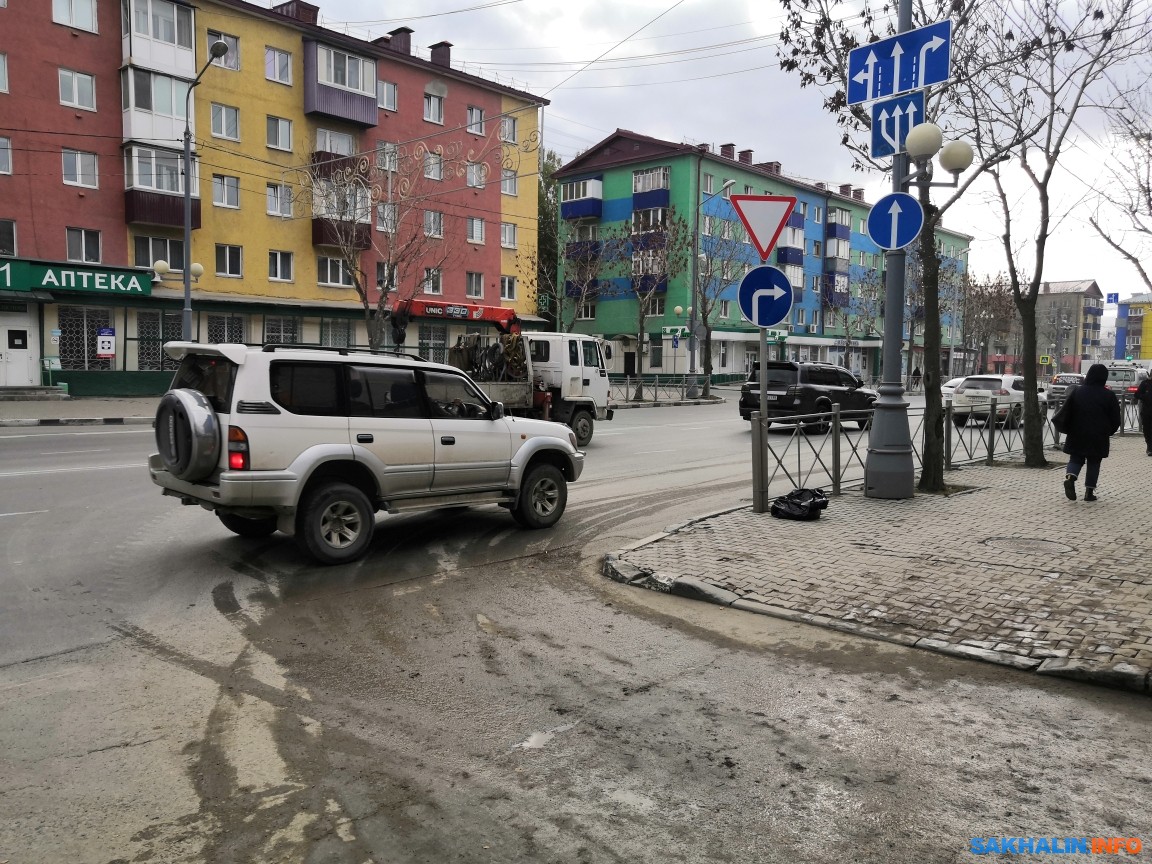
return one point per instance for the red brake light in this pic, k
(1002, 392)
(237, 449)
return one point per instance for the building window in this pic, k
(648, 220)
(817, 215)
(333, 272)
(726, 191)
(279, 133)
(340, 143)
(475, 120)
(79, 326)
(725, 308)
(508, 235)
(474, 286)
(385, 276)
(507, 287)
(817, 249)
(225, 122)
(225, 190)
(433, 108)
(346, 71)
(508, 181)
(387, 158)
(5, 155)
(706, 225)
(80, 168)
(509, 131)
(280, 266)
(83, 245)
(80, 14)
(707, 183)
(229, 260)
(476, 173)
(649, 179)
(587, 311)
(231, 60)
(163, 21)
(159, 94)
(801, 317)
(151, 249)
(281, 329)
(748, 190)
(434, 166)
(432, 283)
(814, 284)
(386, 218)
(77, 89)
(839, 248)
(802, 206)
(386, 95)
(279, 198)
(277, 65)
(654, 306)
(475, 230)
(154, 169)
(153, 329)
(794, 273)
(226, 328)
(8, 237)
(337, 334)
(433, 224)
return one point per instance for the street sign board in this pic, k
(907, 61)
(1045, 359)
(764, 217)
(895, 220)
(891, 120)
(765, 296)
(1114, 298)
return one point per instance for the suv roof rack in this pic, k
(308, 346)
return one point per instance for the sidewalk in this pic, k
(79, 412)
(1008, 572)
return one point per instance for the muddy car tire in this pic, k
(187, 434)
(335, 523)
(543, 496)
(582, 424)
(245, 527)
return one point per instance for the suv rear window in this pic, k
(1124, 376)
(982, 384)
(212, 375)
(783, 377)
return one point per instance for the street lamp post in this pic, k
(215, 51)
(696, 257)
(889, 470)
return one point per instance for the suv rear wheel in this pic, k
(543, 496)
(821, 426)
(335, 523)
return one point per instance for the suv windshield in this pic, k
(212, 375)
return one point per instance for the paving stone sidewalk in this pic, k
(1009, 572)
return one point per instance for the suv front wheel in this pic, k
(335, 523)
(543, 496)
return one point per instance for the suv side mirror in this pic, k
(496, 411)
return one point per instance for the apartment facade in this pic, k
(627, 187)
(92, 187)
(1132, 326)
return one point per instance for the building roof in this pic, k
(1076, 286)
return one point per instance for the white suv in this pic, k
(973, 398)
(313, 441)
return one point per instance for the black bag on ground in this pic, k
(800, 504)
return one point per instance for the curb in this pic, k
(1117, 676)
(80, 421)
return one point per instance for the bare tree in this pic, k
(721, 261)
(989, 311)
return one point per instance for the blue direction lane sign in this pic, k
(1114, 298)
(895, 220)
(765, 296)
(891, 120)
(907, 61)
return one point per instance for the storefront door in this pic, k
(17, 358)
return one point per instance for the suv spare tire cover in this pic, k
(187, 434)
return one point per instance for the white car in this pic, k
(973, 398)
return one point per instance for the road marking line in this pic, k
(66, 452)
(135, 466)
(24, 513)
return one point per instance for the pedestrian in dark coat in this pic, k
(1143, 398)
(1093, 415)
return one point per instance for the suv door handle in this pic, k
(364, 438)
(447, 439)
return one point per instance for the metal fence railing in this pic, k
(797, 448)
(654, 388)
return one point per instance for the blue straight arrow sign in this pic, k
(895, 220)
(891, 120)
(907, 61)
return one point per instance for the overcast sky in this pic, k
(700, 71)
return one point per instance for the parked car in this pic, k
(313, 441)
(973, 398)
(1059, 386)
(1124, 378)
(949, 386)
(793, 388)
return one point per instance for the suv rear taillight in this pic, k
(793, 393)
(237, 449)
(1131, 389)
(1001, 392)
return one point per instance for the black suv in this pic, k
(807, 388)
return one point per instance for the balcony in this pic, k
(795, 220)
(582, 208)
(789, 255)
(145, 207)
(582, 250)
(836, 231)
(651, 199)
(336, 102)
(835, 265)
(327, 232)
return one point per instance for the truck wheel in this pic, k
(187, 434)
(335, 523)
(581, 423)
(543, 495)
(246, 527)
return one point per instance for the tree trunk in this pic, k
(932, 455)
(1033, 420)
(706, 344)
(638, 395)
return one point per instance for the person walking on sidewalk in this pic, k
(1093, 415)
(1143, 398)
